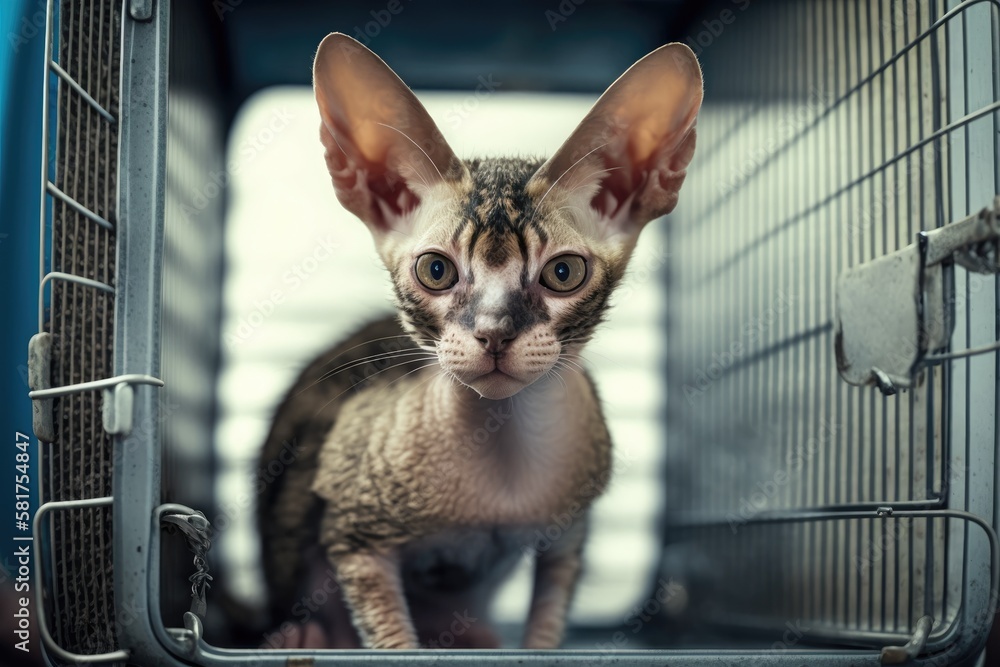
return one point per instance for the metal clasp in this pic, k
(894, 310)
(900, 655)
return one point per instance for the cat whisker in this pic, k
(554, 372)
(367, 342)
(571, 208)
(385, 356)
(568, 169)
(587, 179)
(353, 386)
(423, 383)
(562, 364)
(581, 339)
(434, 363)
(583, 362)
(405, 235)
(419, 148)
(572, 365)
(378, 356)
(581, 355)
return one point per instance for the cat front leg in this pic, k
(557, 570)
(372, 587)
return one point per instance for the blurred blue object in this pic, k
(21, 81)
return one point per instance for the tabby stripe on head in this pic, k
(589, 312)
(522, 245)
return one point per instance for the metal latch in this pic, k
(900, 655)
(197, 532)
(39, 372)
(894, 310)
(141, 10)
(117, 391)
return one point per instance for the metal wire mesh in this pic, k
(78, 464)
(838, 131)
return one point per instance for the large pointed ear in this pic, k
(383, 150)
(627, 158)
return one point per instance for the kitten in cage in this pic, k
(420, 459)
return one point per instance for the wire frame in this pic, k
(80, 188)
(838, 130)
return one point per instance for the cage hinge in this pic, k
(140, 10)
(900, 655)
(39, 374)
(892, 311)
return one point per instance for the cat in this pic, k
(422, 457)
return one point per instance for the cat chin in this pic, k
(496, 385)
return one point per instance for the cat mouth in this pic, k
(496, 384)
(496, 373)
(494, 368)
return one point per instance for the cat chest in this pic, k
(510, 482)
(413, 480)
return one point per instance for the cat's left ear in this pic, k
(627, 158)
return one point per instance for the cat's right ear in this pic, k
(627, 159)
(383, 150)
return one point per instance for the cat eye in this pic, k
(436, 272)
(564, 273)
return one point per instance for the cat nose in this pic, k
(497, 338)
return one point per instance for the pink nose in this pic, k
(495, 337)
(494, 340)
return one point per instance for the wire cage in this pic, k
(76, 318)
(858, 514)
(806, 519)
